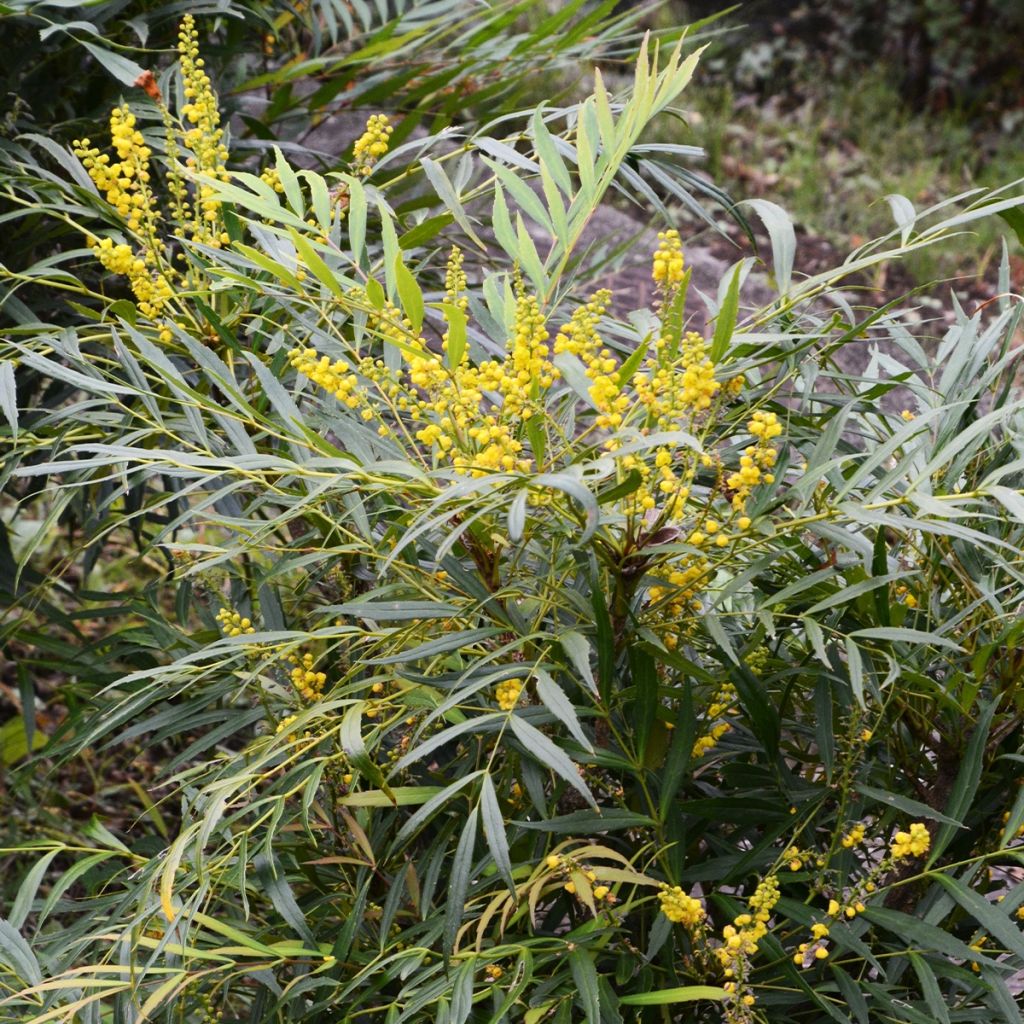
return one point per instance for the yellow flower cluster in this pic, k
(740, 938)
(667, 268)
(699, 384)
(507, 694)
(756, 461)
(851, 910)
(474, 442)
(567, 866)
(527, 370)
(739, 944)
(757, 660)
(677, 596)
(283, 725)
(723, 704)
(671, 397)
(118, 259)
(914, 843)
(234, 624)
(681, 908)
(372, 144)
(306, 680)
(269, 176)
(808, 952)
(336, 377)
(124, 183)
(1020, 831)
(854, 837)
(205, 137)
(153, 292)
(580, 337)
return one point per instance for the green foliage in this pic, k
(496, 656)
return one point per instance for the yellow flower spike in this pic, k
(372, 144)
(667, 264)
(553, 861)
(205, 137)
(833, 908)
(234, 624)
(821, 953)
(679, 907)
(600, 892)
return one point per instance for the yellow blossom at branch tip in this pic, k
(913, 843)
(667, 265)
(372, 144)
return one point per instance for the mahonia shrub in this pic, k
(513, 659)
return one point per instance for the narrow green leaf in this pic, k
(687, 994)
(914, 808)
(290, 183)
(855, 667)
(584, 976)
(680, 751)
(16, 953)
(313, 260)
(554, 698)
(356, 218)
(351, 737)
(8, 396)
(494, 831)
(783, 239)
(281, 896)
(964, 789)
(542, 750)
(989, 915)
(909, 636)
(22, 905)
(126, 71)
(644, 678)
(725, 322)
(458, 883)
(409, 294)
(929, 987)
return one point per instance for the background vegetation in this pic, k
(397, 627)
